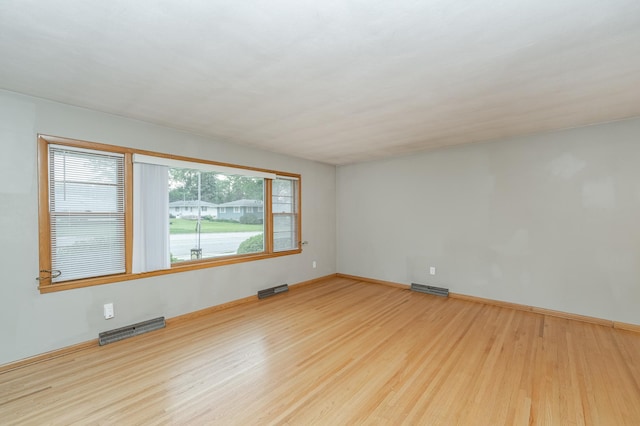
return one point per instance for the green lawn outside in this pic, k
(184, 226)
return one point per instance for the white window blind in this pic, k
(285, 205)
(86, 208)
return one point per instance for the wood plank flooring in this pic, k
(343, 352)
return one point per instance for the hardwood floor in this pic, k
(343, 352)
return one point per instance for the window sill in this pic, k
(180, 267)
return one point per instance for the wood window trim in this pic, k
(44, 225)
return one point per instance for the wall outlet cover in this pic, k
(108, 311)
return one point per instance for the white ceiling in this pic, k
(333, 81)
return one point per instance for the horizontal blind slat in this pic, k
(86, 207)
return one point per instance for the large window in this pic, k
(110, 214)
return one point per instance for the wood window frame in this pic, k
(44, 225)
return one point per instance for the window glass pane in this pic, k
(283, 208)
(283, 187)
(231, 223)
(284, 232)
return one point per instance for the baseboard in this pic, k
(211, 309)
(56, 353)
(626, 326)
(373, 281)
(312, 281)
(549, 312)
(534, 309)
(196, 314)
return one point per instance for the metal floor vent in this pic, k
(272, 291)
(130, 330)
(429, 289)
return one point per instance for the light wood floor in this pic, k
(343, 352)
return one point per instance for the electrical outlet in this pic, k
(432, 270)
(314, 264)
(108, 311)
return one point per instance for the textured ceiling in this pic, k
(333, 81)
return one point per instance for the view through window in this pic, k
(214, 214)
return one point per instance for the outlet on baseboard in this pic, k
(108, 311)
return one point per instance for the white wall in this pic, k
(32, 323)
(551, 220)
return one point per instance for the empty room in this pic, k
(332, 213)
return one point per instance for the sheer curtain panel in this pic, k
(150, 218)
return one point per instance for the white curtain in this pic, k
(150, 218)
